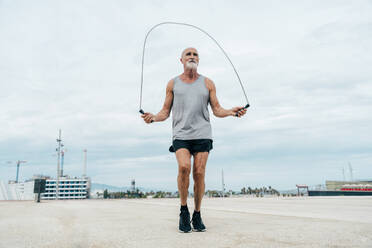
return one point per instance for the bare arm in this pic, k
(216, 107)
(165, 111)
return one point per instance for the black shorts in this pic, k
(196, 145)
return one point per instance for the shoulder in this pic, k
(170, 84)
(209, 83)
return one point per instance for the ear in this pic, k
(181, 60)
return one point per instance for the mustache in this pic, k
(191, 64)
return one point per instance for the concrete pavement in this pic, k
(231, 222)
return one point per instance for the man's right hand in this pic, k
(148, 117)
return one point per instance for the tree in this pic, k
(243, 191)
(105, 194)
(250, 190)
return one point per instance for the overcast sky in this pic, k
(75, 66)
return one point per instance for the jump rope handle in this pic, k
(143, 112)
(245, 107)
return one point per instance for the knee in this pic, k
(184, 169)
(198, 174)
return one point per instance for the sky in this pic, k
(76, 66)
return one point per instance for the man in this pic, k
(188, 96)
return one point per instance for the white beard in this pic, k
(191, 65)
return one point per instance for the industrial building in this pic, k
(344, 188)
(68, 188)
(338, 185)
(17, 191)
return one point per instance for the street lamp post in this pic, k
(59, 140)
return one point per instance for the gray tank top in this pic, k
(190, 110)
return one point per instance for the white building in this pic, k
(69, 188)
(17, 191)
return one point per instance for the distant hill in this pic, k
(97, 186)
(100, 186)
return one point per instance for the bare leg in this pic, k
(198, 172)
(184, 167)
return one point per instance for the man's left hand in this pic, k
(239, 110)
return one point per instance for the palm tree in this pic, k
(250, 190)
(243, 191)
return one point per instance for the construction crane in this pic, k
(18, 164)
(85, 163)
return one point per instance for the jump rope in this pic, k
(193, 26)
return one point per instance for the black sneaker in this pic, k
(184, 225)
(197, 223)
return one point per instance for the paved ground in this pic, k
(231, 222)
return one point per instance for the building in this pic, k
(338, 185)
(17, 191)
(345, 188)
(69, 188)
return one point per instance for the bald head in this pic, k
(187, 50)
